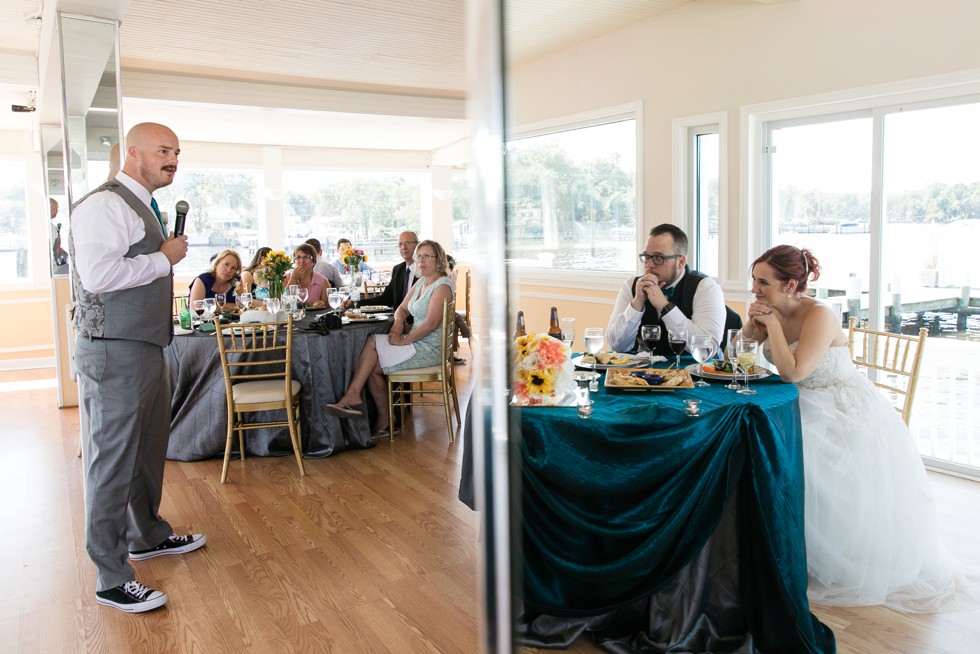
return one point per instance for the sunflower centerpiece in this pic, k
(353, 260)
(542, 372)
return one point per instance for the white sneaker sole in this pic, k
(136, 607)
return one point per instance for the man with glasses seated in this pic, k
(668, 294)
(403, 274)
(342, 246)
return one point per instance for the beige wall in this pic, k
(718, 57)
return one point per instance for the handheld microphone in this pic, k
(182, 208)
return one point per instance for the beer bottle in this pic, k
(184, 314)
(520, 331)
(554, 330)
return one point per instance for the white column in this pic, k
(271, 228)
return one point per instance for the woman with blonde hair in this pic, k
(220, 280)
(413, 341)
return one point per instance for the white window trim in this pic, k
(682, 131)
(598, 280)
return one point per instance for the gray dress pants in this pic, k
(124, 388)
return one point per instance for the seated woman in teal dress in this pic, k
(220, 280)
(385, 353)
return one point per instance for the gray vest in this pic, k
(143, 313)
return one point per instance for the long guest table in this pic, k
(323, 364)
(661, 532)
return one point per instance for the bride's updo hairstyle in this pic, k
(789, 262)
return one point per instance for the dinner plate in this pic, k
(378, 317)
(633, 360)
(613, 378)
(711, 373)
(374, 309)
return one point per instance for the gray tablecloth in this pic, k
(323, 364)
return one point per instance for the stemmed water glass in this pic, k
(303, 294)
(677, 340)
(210, 306)
(650, 335)
(568, 331)
(273, 304)
(593, 342)
(243, 300)
(702, 347)
(335, 299)
(746, 350)
(219, 302)
(731, 356)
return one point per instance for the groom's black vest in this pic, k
(683, 299)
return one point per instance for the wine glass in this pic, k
(273, 304)
(219, 301)
(746, 351)
(731, 356)
(303, 294)
(335, 299)
(568, 331)
(198, 306)
(677, 340)
(702, 347)
(593, 342)
(650, 335)
(243, 300)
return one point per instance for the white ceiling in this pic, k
(386, 51)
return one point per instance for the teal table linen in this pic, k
(616, 505)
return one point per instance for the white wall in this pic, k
(716, 57)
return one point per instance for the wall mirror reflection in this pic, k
(91, 124)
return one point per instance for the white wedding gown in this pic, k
(871, 527)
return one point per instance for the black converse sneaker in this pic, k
(131, 597)
(173, 545)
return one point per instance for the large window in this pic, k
(888, 198)
(370, 209)
(223, 214)
(571, 198)
(705, 144)
(14, 234)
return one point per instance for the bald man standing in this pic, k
(121, 273)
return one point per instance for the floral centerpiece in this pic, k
(353, 259)
(542, 372)
(274, 268)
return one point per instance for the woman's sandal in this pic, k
(342, 411)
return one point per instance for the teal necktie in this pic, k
(156, 210)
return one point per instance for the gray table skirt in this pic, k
(323, 364)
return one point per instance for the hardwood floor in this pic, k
(371, 552)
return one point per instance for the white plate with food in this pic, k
(648, 379)
(357, 316)
(607, 360)
(722, 370)
(374, 308)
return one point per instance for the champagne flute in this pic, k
(593, 342)
(734, 336)
(568, 331)
(677, 340)
(650, 335)
(746, 350)
(702, 347)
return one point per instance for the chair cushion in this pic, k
(266, 390)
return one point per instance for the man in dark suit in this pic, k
(403, 274)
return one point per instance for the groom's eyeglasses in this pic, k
(657, 259)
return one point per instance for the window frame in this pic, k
(568, 278)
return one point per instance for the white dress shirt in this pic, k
(708, 315)
(103, 228)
